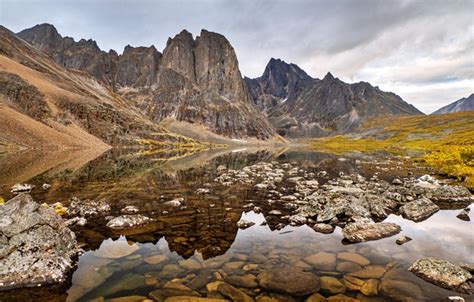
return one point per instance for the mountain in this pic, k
(196, 81)
(464, 104)
(42, 104)
(280, 83)
(331, 106)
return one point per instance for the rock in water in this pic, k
(419, 210)
(36, 246)
(289, 281)
(128, 221)
(360, 232)
(244, 224)
(443, 274)
(463, 215)
(22, 188)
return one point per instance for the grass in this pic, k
(444, 142)
(167, 143)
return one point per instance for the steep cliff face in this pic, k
(195, 80)
(200, 82)
(137, 67)
(461, 105)
(332, 106)
(281, 82)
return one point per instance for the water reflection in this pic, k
(200, 242)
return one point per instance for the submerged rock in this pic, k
(36, 246)
(289, 281)
(419, 210)
(128, 221)
(360, 232)
(443, 274)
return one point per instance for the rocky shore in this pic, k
(286, 194)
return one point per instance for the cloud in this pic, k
(412, 48)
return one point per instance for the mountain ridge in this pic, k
(461, 105)
(193, 80)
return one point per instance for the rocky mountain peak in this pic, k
(279, 83)
(461, 105)
(328, 77)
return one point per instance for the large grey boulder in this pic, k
(36, 246)
(419, 210)
(442, 273)
(360, 232)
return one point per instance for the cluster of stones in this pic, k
(323, 276)
(349, 201)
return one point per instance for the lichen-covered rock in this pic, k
(290, 281)
(36, 246)
(419, 209)
(442, 273)
(87, 207)
(128, 221)
(360, 232)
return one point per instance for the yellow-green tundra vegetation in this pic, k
(444, 142)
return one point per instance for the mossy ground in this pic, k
(444, 142)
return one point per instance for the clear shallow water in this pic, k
(201, 242)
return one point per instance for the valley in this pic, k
(152, 175)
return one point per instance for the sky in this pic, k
(421, 50)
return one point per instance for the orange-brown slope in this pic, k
(57, 107)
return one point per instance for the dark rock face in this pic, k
(137, 67)
(195, 80)
(464, 104)
(83, 55)
(280, 82)
(36, 247)
(332, 106)
(199, 82)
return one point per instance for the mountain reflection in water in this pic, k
(200, 239)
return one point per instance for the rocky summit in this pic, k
(280, 83)
(195, 80)
(331, 106)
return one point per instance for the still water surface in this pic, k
(199, 243)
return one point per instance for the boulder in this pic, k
(443, 274)
(244, 224)
(290, 281)
(323, 228)
(87, 207)
(36, 246)
(419, 209)
(360, 232)
(128, 221)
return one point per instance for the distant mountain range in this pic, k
(464, 104)
(194, 86)
(300, 106)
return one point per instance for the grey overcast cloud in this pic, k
(421, 50)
